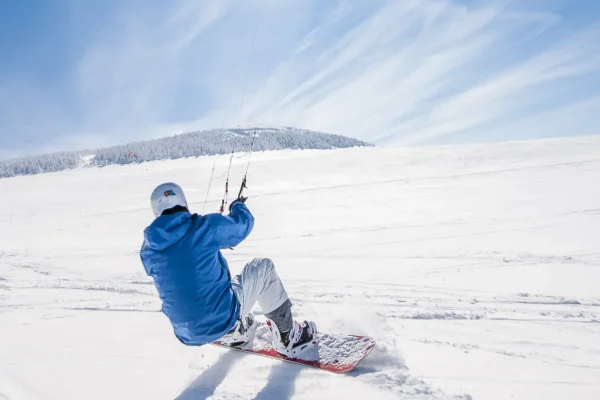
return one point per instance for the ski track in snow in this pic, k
(475, 268)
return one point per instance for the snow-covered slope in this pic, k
(476, 268)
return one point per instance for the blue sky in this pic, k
(77, 74)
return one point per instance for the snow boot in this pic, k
(242, 332)
(292, 343)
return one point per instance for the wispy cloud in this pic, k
(413, 72)
(393, 72)
(128, 80)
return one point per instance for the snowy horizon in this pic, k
(78, 75)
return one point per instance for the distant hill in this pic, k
(193, 144)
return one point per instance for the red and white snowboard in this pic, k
(332, 352)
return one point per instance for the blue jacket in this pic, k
(182, 253)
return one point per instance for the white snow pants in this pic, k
(258, 281)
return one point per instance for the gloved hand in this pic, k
(241, 199)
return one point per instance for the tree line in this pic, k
(192, 144)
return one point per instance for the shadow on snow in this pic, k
(280, 384)
(205, 385)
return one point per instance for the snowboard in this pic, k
(336, 353)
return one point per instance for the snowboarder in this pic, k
(204, 303)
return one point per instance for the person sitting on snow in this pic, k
(204, 303)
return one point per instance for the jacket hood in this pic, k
(167, 230)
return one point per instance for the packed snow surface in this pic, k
(476, 269)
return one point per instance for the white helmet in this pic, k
(166, 196)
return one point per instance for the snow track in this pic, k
(476, 268)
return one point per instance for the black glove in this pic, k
(241, 199)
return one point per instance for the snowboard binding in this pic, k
(291, 344)
(242, 332)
